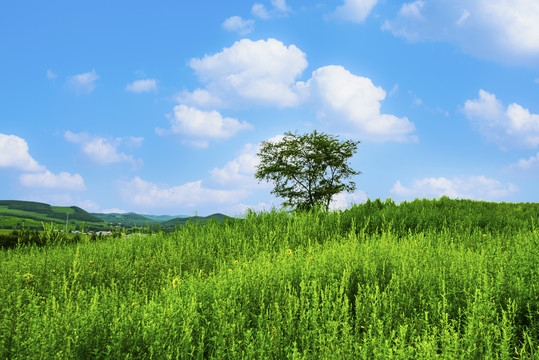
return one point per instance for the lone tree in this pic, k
(307, 170)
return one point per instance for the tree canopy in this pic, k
(308, 170)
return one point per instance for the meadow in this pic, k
(428, 279)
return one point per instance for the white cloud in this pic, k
(531, 163)
(140, 86)
(103, 150)
(280, 8)
(143, 193)
(262, 72)
(14, 154)
(350, 104)
(83, 83)
(502, 30)
(354, 10)
(240, 170)
(49, 180)
(464, 187)
(193, 122)
(51, 75)
(344, 200)
(514, 125)
(239, 25)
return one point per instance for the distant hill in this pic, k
(165, 217)
(127, 219)
(171, 224)
(14, 212)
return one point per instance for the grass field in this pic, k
(273, 285)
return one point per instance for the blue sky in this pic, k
(159, 107)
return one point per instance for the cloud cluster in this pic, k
(501, 30)
(241, 169)
(49, 180)
(239, 25)
(261, 72)
(144, 193)
(103, 150)
(464, 187)
(350, 105)
(83, 83)
(201, 125)
(14, 154)
(141, 86)
(507, 126)
(265, 73)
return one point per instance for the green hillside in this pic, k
(15, 213)
(127, 219)
(162, 218)
(171, 224)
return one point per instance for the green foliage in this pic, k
(274, 285)
(307, 170)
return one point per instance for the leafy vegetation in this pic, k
(452, 279)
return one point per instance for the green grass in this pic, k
(277, 286)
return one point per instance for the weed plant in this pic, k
(391, 283)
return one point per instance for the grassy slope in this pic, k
(32, 214)
(424, 280)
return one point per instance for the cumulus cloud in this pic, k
(507, 126)
(280, 8)
(140, 86)
(354, 10)
(241, 169)
(500, 30)
(202, 125)
(350, 105)
(239, 25)
(105, 150)
(14, 154)
(464, 187)
(144, 193)
(48, 180)
(262, 72)
(265, 73)
(83, 83)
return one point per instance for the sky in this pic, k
(160, 107)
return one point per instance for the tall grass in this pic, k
(277, 285)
